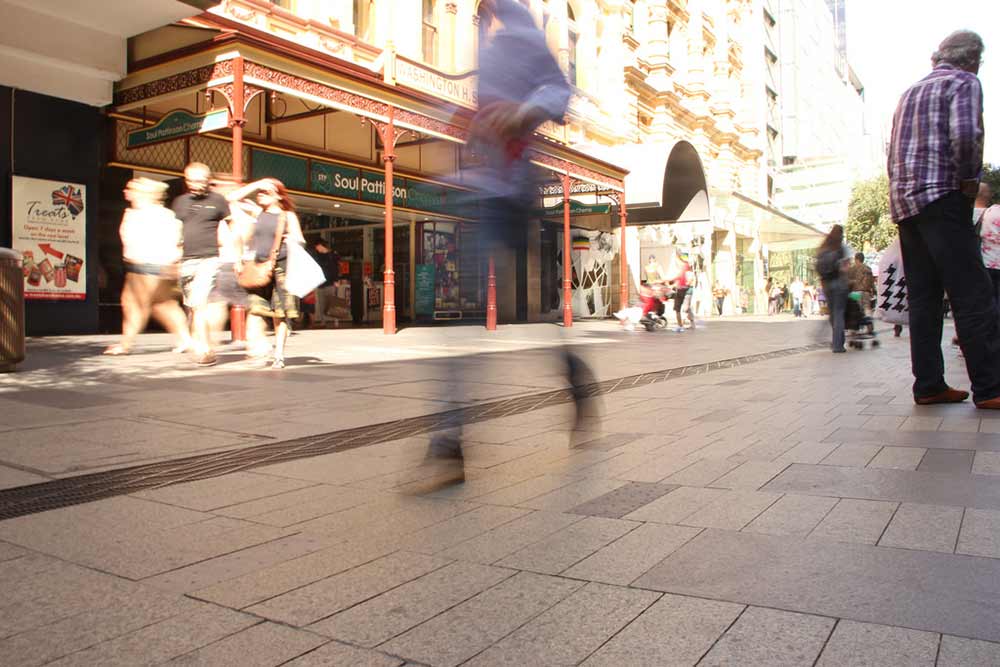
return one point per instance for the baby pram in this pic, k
(859, 326)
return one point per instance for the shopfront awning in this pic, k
(773, 226)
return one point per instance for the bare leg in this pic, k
(280, 337)
(136, 299)
(256, 336)
(170, 314)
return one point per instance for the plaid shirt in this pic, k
(937, 139)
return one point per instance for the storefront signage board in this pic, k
(333, 179)
(576, 208)
(49, 230)
(177, 124)
(424, 299)
(372, 187)
(460, 90)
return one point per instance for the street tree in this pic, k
(991, 175)
(869, 225)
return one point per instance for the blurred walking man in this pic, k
(935, 162)
(520, 87)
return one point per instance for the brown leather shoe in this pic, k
(949, 395)
(989, 404)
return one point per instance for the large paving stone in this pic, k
(928, 527)
(792, 515)
(676, 630)
(733, 510)
(868, 645)
(852, 456)
(931, 488)
(464, 631)
(622, 500)
(569, 546)
(960, 652)
(522, 492)
(336, 653)
(626, 559)
(703, 472)
(898, 458)
(861, 521)
(570, 631)
(263, 645)
(510, 537)
(574, 494)
(163, 641)
(394, 612)
(316, 601)
(977, 441)
(980, 535)
(916, 589)
(441, 536)
(217, 492)
(771, 637)
(676, 505)
(750, 476)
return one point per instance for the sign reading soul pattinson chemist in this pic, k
(176, 124)
(49, 230)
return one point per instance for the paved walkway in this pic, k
(793, 511)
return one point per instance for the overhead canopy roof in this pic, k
(775, 226)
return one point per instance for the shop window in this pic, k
(363, 18)
(430, 32)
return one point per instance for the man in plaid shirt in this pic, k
(935, 161)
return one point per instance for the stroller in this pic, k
(859, 326)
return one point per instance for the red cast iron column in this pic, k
(491, 294)
(567, 257)
(389, 278)
(237, 119)
(623, 214)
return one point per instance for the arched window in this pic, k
(574, 39)
(362, 18)
(430, 32)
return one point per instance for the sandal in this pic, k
(118, 350)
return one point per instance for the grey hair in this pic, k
(962, 48)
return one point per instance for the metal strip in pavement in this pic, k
(25, 500)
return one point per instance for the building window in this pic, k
(430, 32)
(574, 39)
(362, 18)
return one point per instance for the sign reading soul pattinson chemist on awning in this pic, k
(49, 230)
(176, 124)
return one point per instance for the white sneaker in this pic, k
(679, 330)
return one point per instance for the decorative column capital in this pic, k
(451, 7)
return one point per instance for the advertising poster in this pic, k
(49, 230)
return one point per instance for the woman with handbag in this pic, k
(263, 275)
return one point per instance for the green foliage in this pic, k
(869, 225)
(991, 175)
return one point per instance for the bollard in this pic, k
(238, 323)
(491, 296)
(12, 349)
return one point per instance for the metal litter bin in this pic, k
(11, 310)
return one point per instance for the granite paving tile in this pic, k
(336, 653)
(750, 476)
(885, 423)
(981, 491)
(861, 521)
(956, 440)
(674, 631)
(510, 537)
(451, 532)
(262, 645)
(569, 546)
(792, 515)
(862, 644)
(807, 452)
(574, 494)
(771, 637)
(959, 425)
(922, 423)
(293, 507)
(732, 511)
(947, 461)
(764, 451)
(927, 527)
(898, 458)
(571, 630)
(270, 582)
(961, 652)
(326, 597)
(467, 629)
(517, 494)
(852, 456)
(629, 557)
(163, 641)
(9, 551)
(986, 463)
(676, 505)
(619, 502)
(388, 515)
(943, 592)
(980, 533)
(217, 492)
(702, 473)
(12, 478)
(656, 469)
(396, 611)
(611, 441)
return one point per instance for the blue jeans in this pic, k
(941, 253)
(836, 302)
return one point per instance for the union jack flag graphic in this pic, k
(69, 197)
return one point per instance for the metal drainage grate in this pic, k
(25, 500)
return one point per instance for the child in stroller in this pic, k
(859, 325)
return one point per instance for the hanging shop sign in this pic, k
(176, 124)
(575, 208)
(49, 230)
(424, 300)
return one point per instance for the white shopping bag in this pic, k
(303, 274)
(893, 306)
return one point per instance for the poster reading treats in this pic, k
(49, 230)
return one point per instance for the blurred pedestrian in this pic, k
(719, 293)
(202, 212)
(861, 279)
(935, 163)
(234, 234)
(988, 223)
(329, 261)
(808, 300)
(797, 289)
(520, 87)
(151, 251)
(276, 226)
(831, 258)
